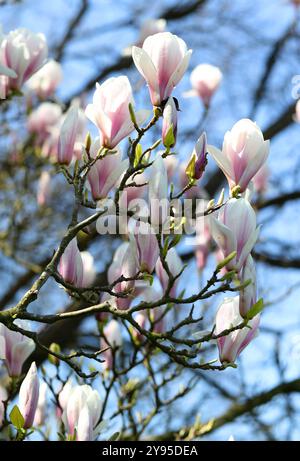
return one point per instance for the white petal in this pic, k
(146, 67)
(7, 72)
(221, 160)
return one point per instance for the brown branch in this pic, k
(270, 64)
(234, 412)
(60, 48)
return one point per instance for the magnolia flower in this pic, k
(142, 320)
(105, 172)
(205, 80)
(43, 119)
(112, 338)
(29, 396)
(198, 160)
(64, 394)
(40, 413)
(162, 61)
(24, 52)
(46, 80)
(175, 266)
(124, 264)
(147, 249)
(44, 188)
(110, 111)
(248, 295)
(89, 270)
(82, 412)
(15, 349)
(67, 137)
(244, 153)
(228, 316)
(70, 264)
(235, 230)
(169, 127)
(3, 397)
(158, 193)
(260, 180)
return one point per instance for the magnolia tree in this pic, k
(112, 165)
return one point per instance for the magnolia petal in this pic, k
(146, 68)
(221, 160)
(254, 165)
(178, 74)
(7, 71)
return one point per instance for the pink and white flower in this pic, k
(228, 316)
(235, 230)
(68, 135)
(24, 52)
(105, 172)
(110, 111)
(248, 295)
(243, 154)
(29, 396)
(147, 249)
(45, 81)
(112, 338)
(205, 80)
(82, 412)
(162, 61)
(175, 266)
(15, 349)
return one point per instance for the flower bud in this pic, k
(70, 265)
(228, 316)
(52, 358)
(198, 160)
(175, 265)
(248, 295)
(112, 338)
(146, 246)
(67, 137)
(169, 127)
(44, 189)
(29, 396)
(40, 413)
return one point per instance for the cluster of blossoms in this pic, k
(22, 54)
(162, 60)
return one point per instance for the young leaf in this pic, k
(255, 309)
(17, 418)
